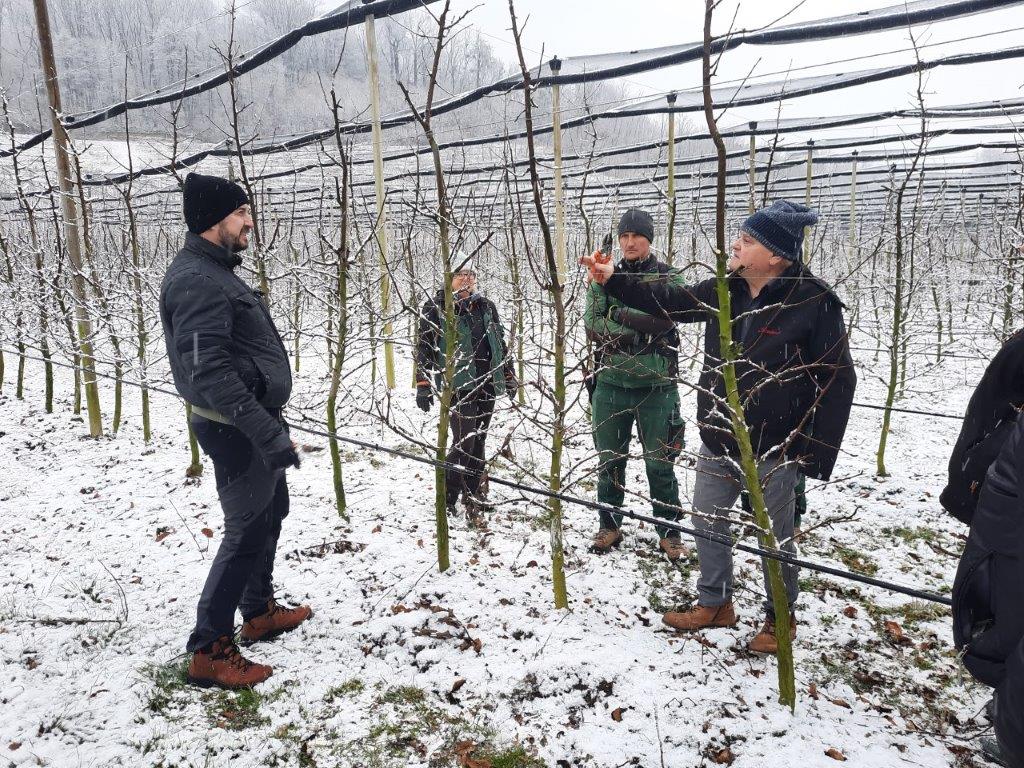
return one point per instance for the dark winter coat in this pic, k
(1009, 716)
(224, 350)
(631, 348)
(991, 415)
(794, 370)
(988, 622)
(476, 319)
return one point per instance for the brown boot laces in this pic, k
(229, 652)
(276, 607)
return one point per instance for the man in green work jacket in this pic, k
(638, 359)
(482, 370)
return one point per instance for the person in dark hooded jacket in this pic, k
(482, 371)
(795, 378)
(988, 593)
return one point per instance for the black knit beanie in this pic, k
(780, 227)
(638, 222)
(208, 199)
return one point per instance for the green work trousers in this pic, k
(655, 410)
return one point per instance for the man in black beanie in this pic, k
(229, 363)
(796, 383)
(635, 384)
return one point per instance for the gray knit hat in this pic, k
(780, 227)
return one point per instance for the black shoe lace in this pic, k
(230, 653)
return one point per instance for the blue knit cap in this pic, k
(780, 227)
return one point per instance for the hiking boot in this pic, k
(673, 548)
(764, 641)
(605, 539)
(223, 666)
(275, 621)
(475, 512)
(701, 617)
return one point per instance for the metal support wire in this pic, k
(730, 541)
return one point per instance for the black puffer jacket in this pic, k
(990, 418)
(224, 350)
(794, 372)
(988, 593)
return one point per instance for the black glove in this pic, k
(424, 398)
(286, 457)
(511, 387)
(613, 313)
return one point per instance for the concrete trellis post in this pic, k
(378, 183)
(807, 198)
(70, 215)
(753, 166)
(556, 135)
(671, 192)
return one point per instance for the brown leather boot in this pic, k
(673, 548)
(224, 666)
(765, 642)
(276, 620)
(701, 617)
(605, 539)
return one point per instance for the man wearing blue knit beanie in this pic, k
(796, 383)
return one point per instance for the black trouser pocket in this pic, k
(229, 449)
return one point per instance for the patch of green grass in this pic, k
(910, 535)
(855, 560)
(407, 727)
(403, 694)
(516, 757)
(348, 688)
(168, 680)
(657, 572)
(237, 710)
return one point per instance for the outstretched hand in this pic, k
(599, 269)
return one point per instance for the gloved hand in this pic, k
(511, 387)
(612, 313)
(286, 457)
(424, 397)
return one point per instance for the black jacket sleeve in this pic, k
(427, 343)
(201, 317)
(643, 323)
(832, 369)
(506, 358)
(661, 298)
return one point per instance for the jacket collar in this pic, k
(783, 281)
(646, 264)
(218, 254)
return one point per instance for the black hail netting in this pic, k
(572, 70)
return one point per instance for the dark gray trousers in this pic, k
(716, 490)
(254, 501)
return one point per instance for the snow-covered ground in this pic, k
(106, 544)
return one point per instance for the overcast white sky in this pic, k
(579, 27)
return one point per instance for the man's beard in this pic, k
(234, 243)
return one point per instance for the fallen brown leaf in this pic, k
(208, 533)
(617, 714)
(835, 754)
(724, 756)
